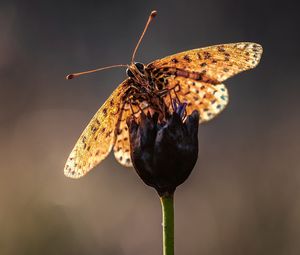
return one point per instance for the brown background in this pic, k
(243, 195)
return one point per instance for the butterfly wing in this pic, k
(97, 139)
(216, 63)
(196, 76)
(208, 99)
(122, 144)
(201, 72)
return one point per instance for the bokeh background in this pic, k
(243, 196)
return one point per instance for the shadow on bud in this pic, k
(164, 153)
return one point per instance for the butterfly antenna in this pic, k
(152, 15)
(74, 75)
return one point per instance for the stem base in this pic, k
(167, 204)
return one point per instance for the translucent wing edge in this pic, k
(70, 163)
(237, 44)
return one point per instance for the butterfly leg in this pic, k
(177, 100)
(174, 90)
(172, 105)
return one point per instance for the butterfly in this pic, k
(194, 76)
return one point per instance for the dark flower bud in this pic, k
(164, 153)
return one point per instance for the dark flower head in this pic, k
(164, 153)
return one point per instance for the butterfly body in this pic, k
(195, 77)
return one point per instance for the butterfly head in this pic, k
(136, 71)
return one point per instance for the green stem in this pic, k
(167, 205)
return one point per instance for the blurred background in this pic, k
(243, 195)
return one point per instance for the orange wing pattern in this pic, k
(122, 144)
(97, 139)
(193, 76)
(208, 99)
(196, 76)
(216, 63)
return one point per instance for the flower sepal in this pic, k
(164, 152)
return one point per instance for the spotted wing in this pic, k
(208, 99)
(97, 139)
(122, 144)
(215, 63)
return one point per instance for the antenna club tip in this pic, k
(70, 76)
(153, 13)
